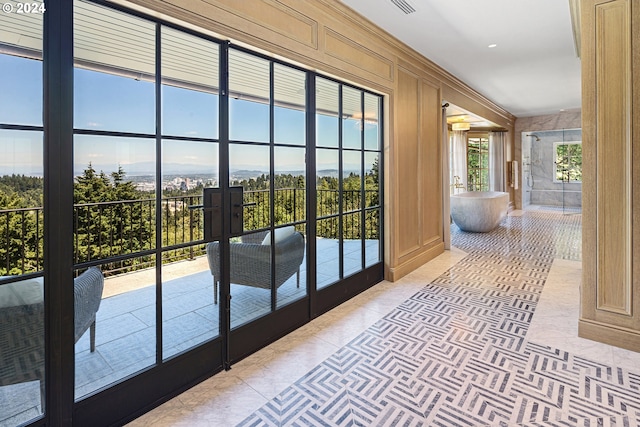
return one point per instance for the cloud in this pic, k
(94, 124)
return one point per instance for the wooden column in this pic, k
(610, 299)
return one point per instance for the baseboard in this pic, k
(406, 267)
(608, 334)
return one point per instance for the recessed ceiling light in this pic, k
(491, 46)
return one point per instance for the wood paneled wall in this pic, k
(610, 305)
(328, 37)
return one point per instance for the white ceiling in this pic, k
(533, 70)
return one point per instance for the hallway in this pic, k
(485, 334)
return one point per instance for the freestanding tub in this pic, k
(479, 211)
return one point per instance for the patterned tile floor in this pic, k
(483, 335)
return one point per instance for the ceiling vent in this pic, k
(404, 6)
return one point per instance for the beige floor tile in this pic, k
(626, 359)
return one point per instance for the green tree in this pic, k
(21, 224)
(110, 219)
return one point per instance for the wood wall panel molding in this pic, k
(613, 157)
(271, 15)
(277, 17)
(589, 183)
(635, 136)
(431, 164)
(351, 52)
(406, 148)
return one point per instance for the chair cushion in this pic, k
(280, 235)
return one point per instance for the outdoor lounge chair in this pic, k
(22, 325)
(251, 260)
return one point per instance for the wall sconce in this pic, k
(460, 126)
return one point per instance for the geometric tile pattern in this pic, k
(455, 353)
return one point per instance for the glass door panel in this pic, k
(373, 246)
(114, 235)
(190, 89)
(114, 78)
(351, 180)
(289, 105)
(328, 211)
(250, 267)
(190, 153)
(190, 291)
(327, 113)
(267, 106)
(371, 122)
(372, 206)
(189, 300)
(248, 97)
(115, 196)
(327, 252)
(249, 169)
(352, 243)
(290, 212)
(122, 339)
(22, 321)
(22, 314)
(351, 118)
(352, 208)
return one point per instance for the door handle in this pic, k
(236, 199)
(212, 209)
(207, 209)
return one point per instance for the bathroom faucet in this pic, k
(457, 183)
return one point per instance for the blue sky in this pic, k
(114, 103)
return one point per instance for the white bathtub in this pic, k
(479, 211)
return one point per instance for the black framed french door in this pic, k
(267, 288)
(213, 198)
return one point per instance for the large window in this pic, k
(478, 163)
(568, 162)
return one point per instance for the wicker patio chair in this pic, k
(87, 295)
(22, 330)
(251, 261)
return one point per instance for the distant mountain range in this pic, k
(176, 169)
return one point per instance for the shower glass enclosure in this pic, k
(552, 170)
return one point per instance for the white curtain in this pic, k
(497, 142)
(458, 160)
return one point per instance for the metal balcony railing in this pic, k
(118, 230)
